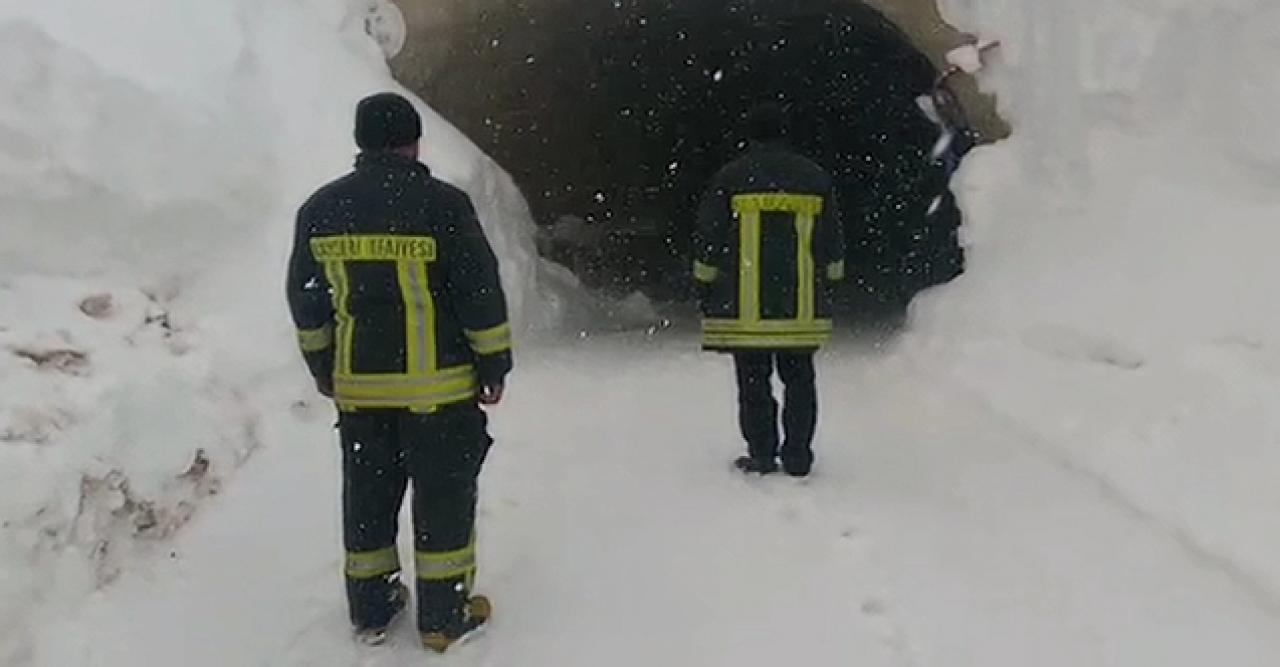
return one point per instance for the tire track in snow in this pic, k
(1251, 585)
(1000, 556)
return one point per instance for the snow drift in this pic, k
(1120, 300)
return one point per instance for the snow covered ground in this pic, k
(1068, 459)
(938, 532)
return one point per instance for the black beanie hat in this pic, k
(386, 120)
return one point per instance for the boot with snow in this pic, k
(754, 466)
(798, 466)
(397, 602)
(477, 612)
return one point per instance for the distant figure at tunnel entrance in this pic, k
(770, 246)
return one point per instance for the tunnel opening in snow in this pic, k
(613, 116)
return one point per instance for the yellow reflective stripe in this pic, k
(771, 334)
(410, 254)
(804, 267)
(372, 564)
(419, 317)
(413, 333)
(315, 340)
(749, 208)
(336, 272)
(783, 202)
(436, 566)
(391, 397)
(374, 248)
(705, 272)
(749, 265)
(758, 341)
(392, 389)
(491, 341)
(418, 393)
(766, 327)
(454, 373)
(431, 361)
(407, 393)
(420, 404)
(835, 271)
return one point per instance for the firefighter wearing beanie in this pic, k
(402, 321)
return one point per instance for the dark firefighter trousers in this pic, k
(441, 454)
(758, 410)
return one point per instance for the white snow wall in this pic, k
(152, 155)
(1141, 174)
(170, 140)
(1120, 300)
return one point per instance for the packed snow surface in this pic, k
(936, 532)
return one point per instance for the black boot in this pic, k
(798, 467)
(754, 466)
(476, 613)
(397, 600)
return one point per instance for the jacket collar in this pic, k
(387, 159)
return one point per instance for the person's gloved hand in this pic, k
(490, 395)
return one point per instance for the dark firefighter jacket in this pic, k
(770, 245)
(395, 290)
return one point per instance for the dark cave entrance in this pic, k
(613, 116)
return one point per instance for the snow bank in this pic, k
(1120, 301)
(168, 142)
(152, 155)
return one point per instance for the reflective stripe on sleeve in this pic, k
(491, 341)
(315, 340)
(705, 273)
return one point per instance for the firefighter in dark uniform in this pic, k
(403, 322)
(770, 248)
